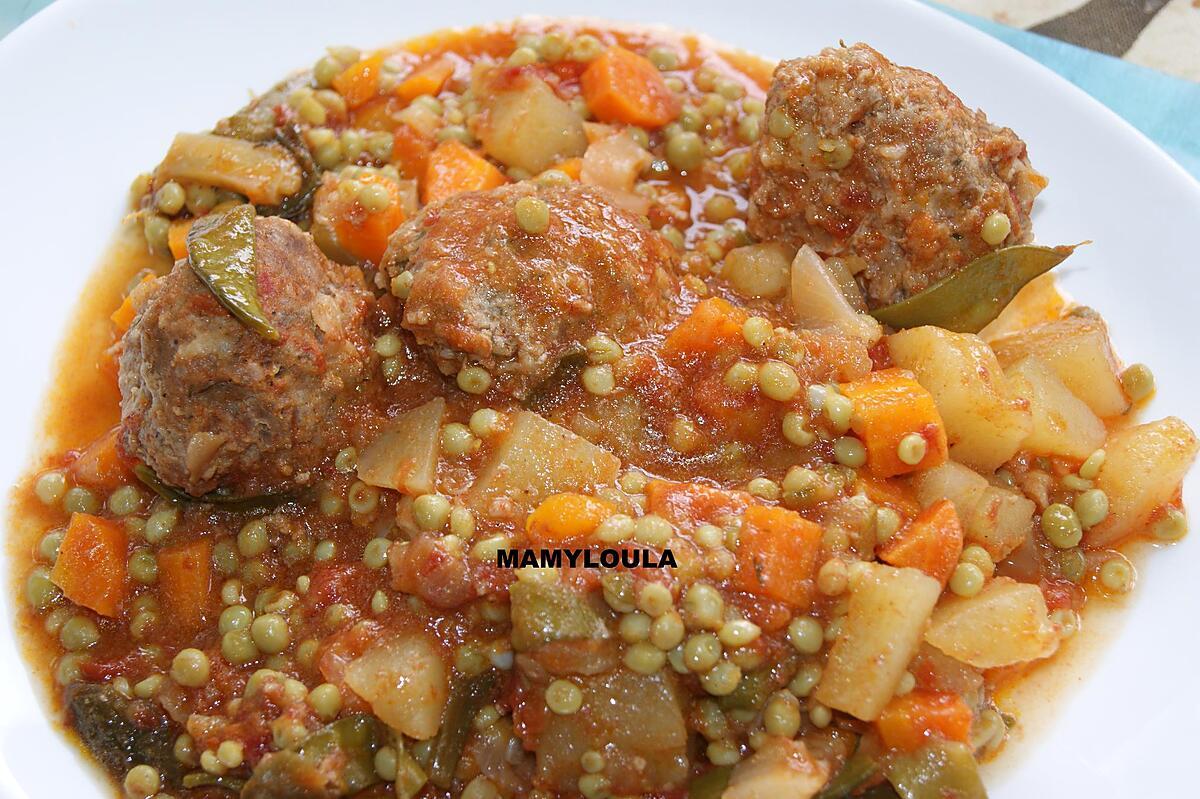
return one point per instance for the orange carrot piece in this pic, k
(891, 493)
(713, 326)
(622, 86)
(572, 167)
(910, 721)
(359, 82)
(427, 79)
(692, 503)
(184, 580)
(90, 568)
(411, 151)
(932, 542)
(453, 168)
(562, 517)
(122, 318)
(777, 555)
(101, 464)
(177, 237)
(889, 405)
(360, 232)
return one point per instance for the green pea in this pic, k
(200, 199)
(160, 524)
(1091, 507)
(125, 500)
(235, 617)
(190, 668)
(1116, 575)
(155, 228)
(1061, 526)
(252, 539)
(685, 151)
(50, 543)
(80, 500)
(237, 647)
(967, 580)
(79, 632)
(225, 558)
(325, 550)
(68, 668)
(1171, 527)
(376, 553)
(50, 487)
(362, 498)
(780, 124)
(806, 635)
(270, 633)
(40, 591)
(1072, 564)
(533, 215)
(1138, 382)
(347, 459)
(170, 198)
(142, 624)
(143, 566)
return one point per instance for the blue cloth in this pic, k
(1165, 108)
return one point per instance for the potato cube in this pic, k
(1078, 350)
(881, 633)
(1143, 469)
(1062, 423)
(985, 424)
(1005, 623)
(404, 456)
(994, 518)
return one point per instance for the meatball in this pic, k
(209, 404)
(884, 166)
(478, 289)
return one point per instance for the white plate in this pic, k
(93, 92)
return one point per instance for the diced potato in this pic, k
(759, 270)
(265, 173)
(1143, 469)
(1062, 423)
(614, 162)
(538, 458)
(781, 768)
(882, 630)
(403, 678)
(636, 720)
(1005, 623)
(984, 423)
(526, 125)
(404, 456)
(818, 301)
(1038, 301)
(994, 518)
(1078, 350)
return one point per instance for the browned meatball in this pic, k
(485, 292)
(209, 404)
(883, 164)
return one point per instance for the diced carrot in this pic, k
(713, 326)
(359, 82)
(122, 318)
(565, 516)
(377, 114)
(90, 568)
(411, 150)
(892, 493)
(359, 231)
(427, 79)
(692, 503)
(932, 542)
(910, 721)
(889, 405)
(101, 464)
(570, 167)
(184, 580)
(453, 167)
(622, 86)
(777, 555)
(177, 237)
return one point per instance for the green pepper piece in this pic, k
(935, 771)
(967, 300)
(122, 732)
(467, 698)
(859, 768)
(202, 779)
(543, 613)
(336, 760)
(711, 784)
(221, 253)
